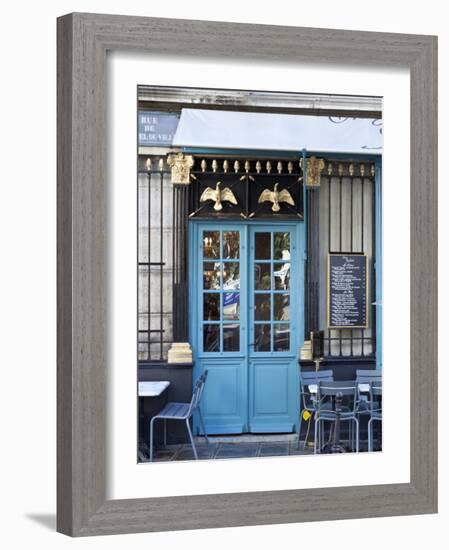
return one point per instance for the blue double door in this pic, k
(247, 323)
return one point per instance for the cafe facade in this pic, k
(259, 248)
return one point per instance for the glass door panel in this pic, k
(221, 322)
(271, 291)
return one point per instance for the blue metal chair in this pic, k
(375, 409)
(183, 412)
(308, 399)
(364, 377)
(326, 411)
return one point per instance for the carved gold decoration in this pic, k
(214, 166)
(258, 167)
(203, 165)
(247, 166)
(276, 197)
(290, 166)
(180, 165)
(279, 167)
(268, 166)
(225, 166)
(314, 168)
(372, 170)
(218, 196)
(236, 166)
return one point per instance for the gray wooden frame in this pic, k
(83, 40)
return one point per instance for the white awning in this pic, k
(201, 128)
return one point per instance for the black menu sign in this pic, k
(347, 290)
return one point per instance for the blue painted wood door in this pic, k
(246, 323)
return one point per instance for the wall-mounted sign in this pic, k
(157, 128)
(347, 290)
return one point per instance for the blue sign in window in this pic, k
(157, 128)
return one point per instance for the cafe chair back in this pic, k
(375, 393)
(363, 378)
(343, 393)
(308, 399)
(182, 412)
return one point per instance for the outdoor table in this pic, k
(313, 388)
(153, 388)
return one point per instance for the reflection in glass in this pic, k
(231, 305)
(281, 307)
(231, 276)
(262, 336)
(262, 307)
(262, 277)
(281, 246)
(281, 274)
(211, 244)
(231, 337)
(211, 275)
(211, 307)
(262, 246)
(281, 337)
(231, 244)
(211, 337)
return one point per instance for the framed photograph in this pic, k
(247, 319)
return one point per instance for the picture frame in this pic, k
(82, 506)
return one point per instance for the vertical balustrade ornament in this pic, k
(268, 167)
(340, 170)
(290, 166)
(149, 164)
(214, 166)
(351, 169)
(203, 165)
(225, 166)
(236, 166)
(372, 170)
(161, 164)
(247, 166)
(258, 166)
(279, 167)
(329, 169)
(180, 165)
(362, 170)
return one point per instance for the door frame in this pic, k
(194, 227)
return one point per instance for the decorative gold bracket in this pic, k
(314, 168)
(180, 168)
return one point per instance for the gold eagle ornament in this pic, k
(276, 197)
(218, 195)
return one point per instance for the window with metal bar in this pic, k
(347, 224)
(155, 259)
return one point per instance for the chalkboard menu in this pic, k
(347, 290)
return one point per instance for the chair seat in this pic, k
(364, 407)
(174, 410)
(332, 415)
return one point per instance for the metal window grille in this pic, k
(347, 224)
(155, 259)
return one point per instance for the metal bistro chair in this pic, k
(365, 377)
(183, 412)
(326, 412)
(375, 392)
(308, 399)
